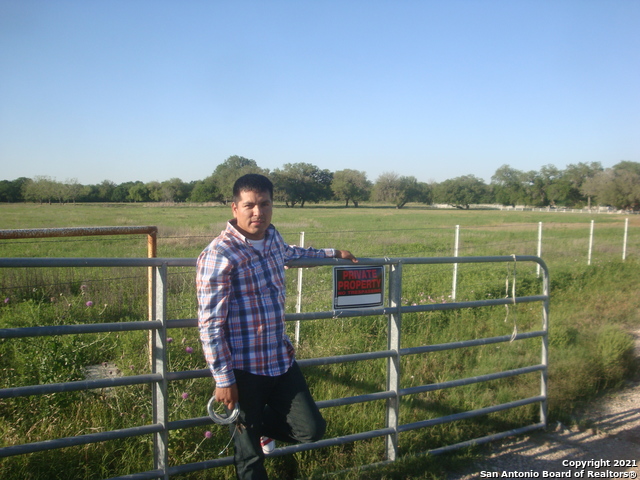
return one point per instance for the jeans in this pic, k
(278, 407)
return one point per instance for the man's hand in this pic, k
(227, 395)
(346, 255)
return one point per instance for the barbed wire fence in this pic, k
(560, 244)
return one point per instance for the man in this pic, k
(241, 295)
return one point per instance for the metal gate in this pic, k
(160, 377)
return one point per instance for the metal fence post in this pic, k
(544, 373)
(624, 242)
(393, 363)
(590, 243)
(159, 366)
(152, 252)
(299, 298)
(455, 265)
(539, 247)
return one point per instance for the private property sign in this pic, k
(356, 287)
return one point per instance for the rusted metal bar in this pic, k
(76, 232)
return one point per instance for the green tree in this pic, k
(121, 192)
(153, 191)
(205, 191)
(576, 175)
(72, 190)
(351, 185)
(42, 189)
(618, 186)
(91, 193)
(173, 190)
(424, 193)
(461, 192)
(11, 191)
(298, 183)
(509, 185)
(138, 192)
(550, 184)
(105, 190)
(229, 171)
(398, 190)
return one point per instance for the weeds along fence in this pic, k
(382, 376)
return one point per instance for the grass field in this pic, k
(592, 308)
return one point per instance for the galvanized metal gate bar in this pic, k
(159, 367)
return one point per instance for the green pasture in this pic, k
(593, 307)
(369, 231)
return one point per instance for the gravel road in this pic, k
(610, 445)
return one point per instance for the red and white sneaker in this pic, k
(268, 444)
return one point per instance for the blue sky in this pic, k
(152, 90)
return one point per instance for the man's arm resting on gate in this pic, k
(346, 255)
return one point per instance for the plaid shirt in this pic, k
(241, 295)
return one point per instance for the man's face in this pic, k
(253, 212)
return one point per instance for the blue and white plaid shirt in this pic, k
(241, 295)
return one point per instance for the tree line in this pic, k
(578, 185)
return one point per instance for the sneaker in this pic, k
(268, 444)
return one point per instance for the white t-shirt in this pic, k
(258, 245)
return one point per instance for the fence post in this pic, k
(299, 298)
(590, 243)
(544, 373)
(152, 252)
(539, 247)
(393, 363)
(624, 242)
(455, 265)
(159, 366)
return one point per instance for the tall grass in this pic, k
(592, 309)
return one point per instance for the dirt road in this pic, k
(607, 446)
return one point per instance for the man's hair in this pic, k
(252, 182)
